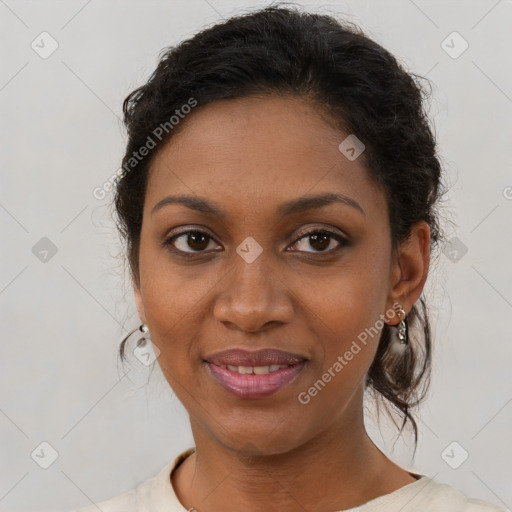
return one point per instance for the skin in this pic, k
(249, 155)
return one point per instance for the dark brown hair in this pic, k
(359, 85)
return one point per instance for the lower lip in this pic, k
(254, 386)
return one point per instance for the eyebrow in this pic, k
(288, 208)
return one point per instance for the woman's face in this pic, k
(257, 277)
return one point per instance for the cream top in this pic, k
(157, 495)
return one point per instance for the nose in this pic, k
(253, 297)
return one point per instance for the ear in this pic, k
(409, 270)
(139, 302)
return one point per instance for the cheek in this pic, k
(171, 293)
(349, 313)
(348, 341)
(348, 337)
(172, 305)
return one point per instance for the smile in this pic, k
(257, 370)
(252, 382)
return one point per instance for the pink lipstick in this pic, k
(254, 374)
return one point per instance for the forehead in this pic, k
(245, 152)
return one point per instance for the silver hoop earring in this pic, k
(144, 329)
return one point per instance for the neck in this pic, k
(338, 469)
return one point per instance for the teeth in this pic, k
(257, 370)
(261, 370)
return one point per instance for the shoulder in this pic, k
(127, 502)
(135, 500)
(156, 493)
(434, 496)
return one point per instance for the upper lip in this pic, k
(262, 357)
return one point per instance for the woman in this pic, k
(278, 203)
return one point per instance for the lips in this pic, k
(258, 358)
(256, 374)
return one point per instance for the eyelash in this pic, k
(168, 242)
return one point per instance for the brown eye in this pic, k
(189, 241)
(320, 240)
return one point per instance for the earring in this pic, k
(145, 352)
(402, 329)
(144, 329)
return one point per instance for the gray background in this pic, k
(64, 314)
